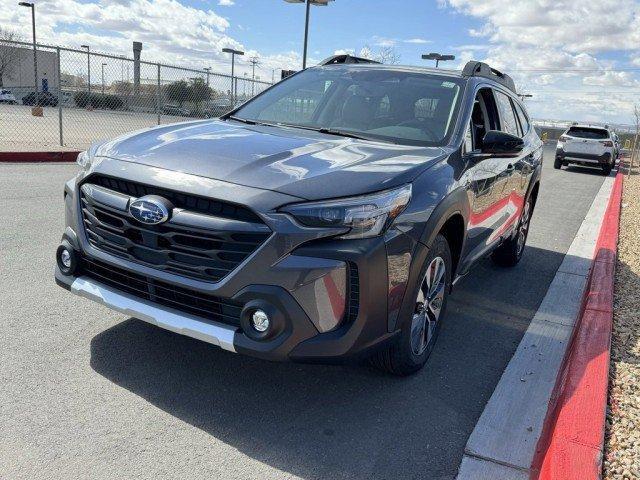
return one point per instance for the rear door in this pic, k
(510, 169)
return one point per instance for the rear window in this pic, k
(591, 133)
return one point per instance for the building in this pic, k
(18, 74)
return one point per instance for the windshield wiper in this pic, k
(247, 121)
(325, 130)
(338, 133)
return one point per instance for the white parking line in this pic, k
(503, 442)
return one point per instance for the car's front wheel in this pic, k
(414, 345)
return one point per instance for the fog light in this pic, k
(65, 258)
(260, 321)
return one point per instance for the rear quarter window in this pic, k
(524, 119)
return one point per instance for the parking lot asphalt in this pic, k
(88, 393)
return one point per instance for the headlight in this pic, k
(83, 160)
(361, 217)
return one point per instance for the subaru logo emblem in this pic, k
(150, 210)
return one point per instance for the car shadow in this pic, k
(586, 170)
(317, 421)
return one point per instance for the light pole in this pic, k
(88, 69)
(103, 65)
(35, 56)
(233, 53)
(253, 62)
(319, 3)
(524, 95)
(438, 57)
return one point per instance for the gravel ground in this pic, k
(622, 442)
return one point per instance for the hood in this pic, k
(297, 162)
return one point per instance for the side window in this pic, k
(508, 121)
(524, 120)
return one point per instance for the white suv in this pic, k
(7, 97)
(586, 145)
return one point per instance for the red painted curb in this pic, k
(570, 447)
(39, 157)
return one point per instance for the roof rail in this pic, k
(480, 69)
(339, 59)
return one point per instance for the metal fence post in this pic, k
(158, 96)
(59, 95)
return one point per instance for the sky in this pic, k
(580, 60)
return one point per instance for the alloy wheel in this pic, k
(523, 230)
(429, 302)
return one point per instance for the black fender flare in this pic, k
(455, 203)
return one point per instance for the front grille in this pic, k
(187, 201)
(178, 298)
(191, 251)
(353, 302)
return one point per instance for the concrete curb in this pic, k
(38, 157)
(503, 444)
(571, 446)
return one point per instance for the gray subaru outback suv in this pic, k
(325, 220)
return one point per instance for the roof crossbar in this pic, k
(339, 59)
(480, 69)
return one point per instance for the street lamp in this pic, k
(88, 69)
(35, 57)
(524, 95)
(438, 57)
(319, 3)
(103, 65)
(233, 64)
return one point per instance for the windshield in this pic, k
(403, 107)
(590, 133)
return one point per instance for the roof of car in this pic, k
(471, 69)
(402, 68)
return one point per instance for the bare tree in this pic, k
(9, 54)
(388, 55)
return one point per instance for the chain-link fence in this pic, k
(82, 97)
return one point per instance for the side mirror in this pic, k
(501, 143)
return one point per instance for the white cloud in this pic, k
(226, 3)
(577, 26)
(384, 42)
(554, 48)
(417, 41)
(171, 32)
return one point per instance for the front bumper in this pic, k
(307, 280)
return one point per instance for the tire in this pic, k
(606, 169)
(409, 353)
(510, 252)
(557, 164)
